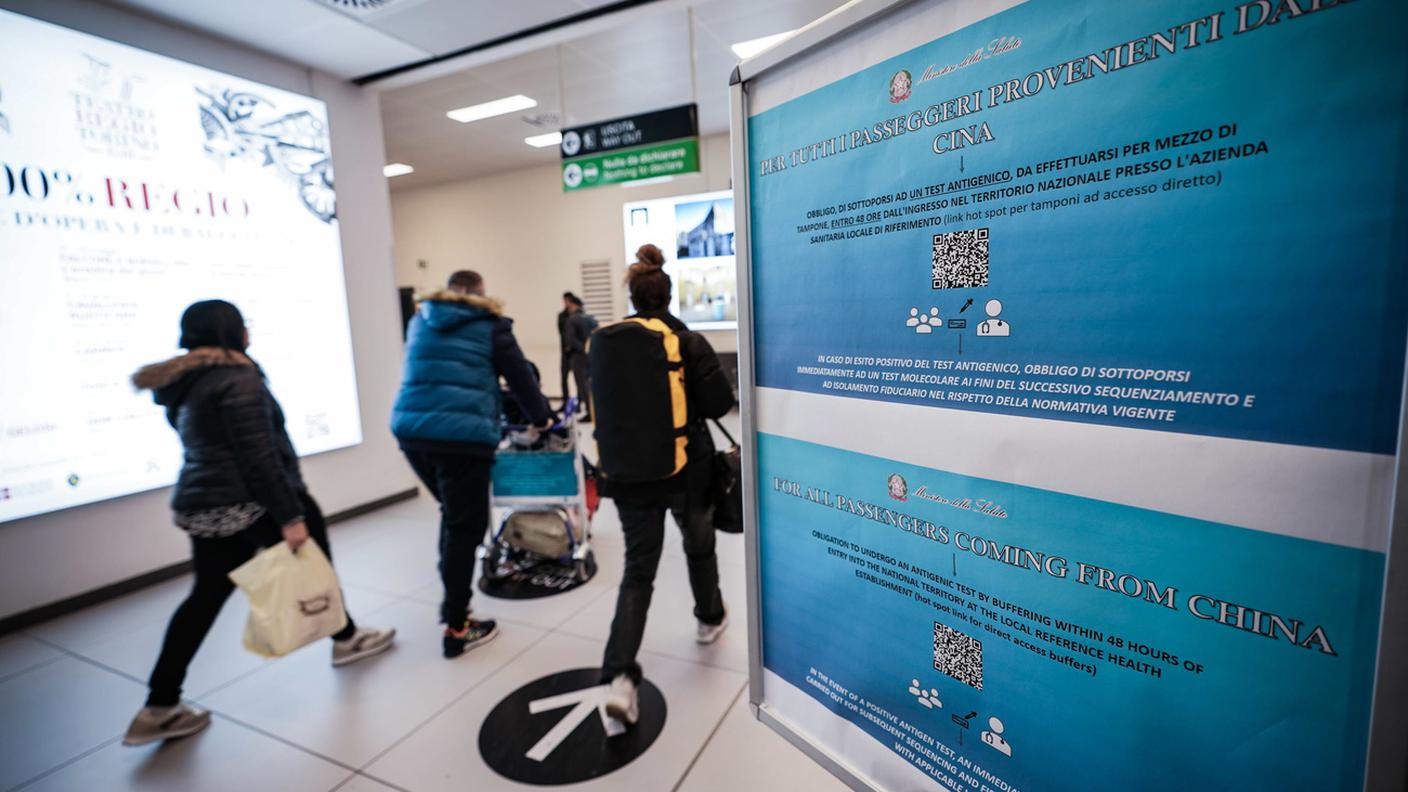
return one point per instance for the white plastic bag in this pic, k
(294, 599)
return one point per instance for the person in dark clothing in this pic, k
(642, 505)
(447, 419)
(239, 491)
(579, 329)
(568, 301)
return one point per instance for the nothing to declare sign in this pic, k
(647, 146)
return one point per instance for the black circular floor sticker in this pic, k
(509, 579)
(555, 730)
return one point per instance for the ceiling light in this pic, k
(508, 104)
(543, 141)
(397, 169)
(747, 49)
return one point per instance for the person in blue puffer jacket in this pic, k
(447, 422)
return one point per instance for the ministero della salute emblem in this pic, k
(898, 487)
(901, 86)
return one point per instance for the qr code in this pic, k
(958, 655)
(961, 259)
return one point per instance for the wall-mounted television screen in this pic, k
(696, 234)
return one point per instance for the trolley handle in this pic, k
(511, 428)
(569, 409)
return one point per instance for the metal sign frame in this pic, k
(1387, 761)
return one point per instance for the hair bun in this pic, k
(649, 256)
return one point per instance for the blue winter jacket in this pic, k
(457, 346)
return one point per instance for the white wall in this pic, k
(50, 557)
(527, 238)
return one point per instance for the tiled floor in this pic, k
(405, 720)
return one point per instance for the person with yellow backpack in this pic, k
(654, 384)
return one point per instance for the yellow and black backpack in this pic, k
(638, 400)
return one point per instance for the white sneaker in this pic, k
(165, 723)
(708, 633)
(623, 703)
(363, 643)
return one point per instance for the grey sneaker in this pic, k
(364, 642)
(623, 703)
(708, 633)
(165, 723)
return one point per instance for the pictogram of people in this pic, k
(924, 323)
(993, 326)
(928, 699)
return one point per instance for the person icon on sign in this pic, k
(994, 737)
(924, 327)
(993, 326)
(913, 320)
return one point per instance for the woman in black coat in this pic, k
(643, 504)
(239, 491)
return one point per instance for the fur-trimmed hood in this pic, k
(446, 310)
(160, 375)
(489, 304)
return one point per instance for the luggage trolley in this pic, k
(540, 482)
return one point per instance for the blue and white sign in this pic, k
(1078, 338)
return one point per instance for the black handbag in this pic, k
(726, 486)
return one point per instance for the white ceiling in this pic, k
(633, 61)
(353, 38)
(636, 67)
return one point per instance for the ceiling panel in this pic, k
(631, 68)
(670, 27)
(442, 26)
(739, 21)
(348, 40)
(302, 31)
(368, 9)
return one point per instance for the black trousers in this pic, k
(643, 523)
(460, 482)
(584, 388)
(566, 371)
(214, 560)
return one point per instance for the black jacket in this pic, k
(232, 430)
(578, 330)
(709, 394)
